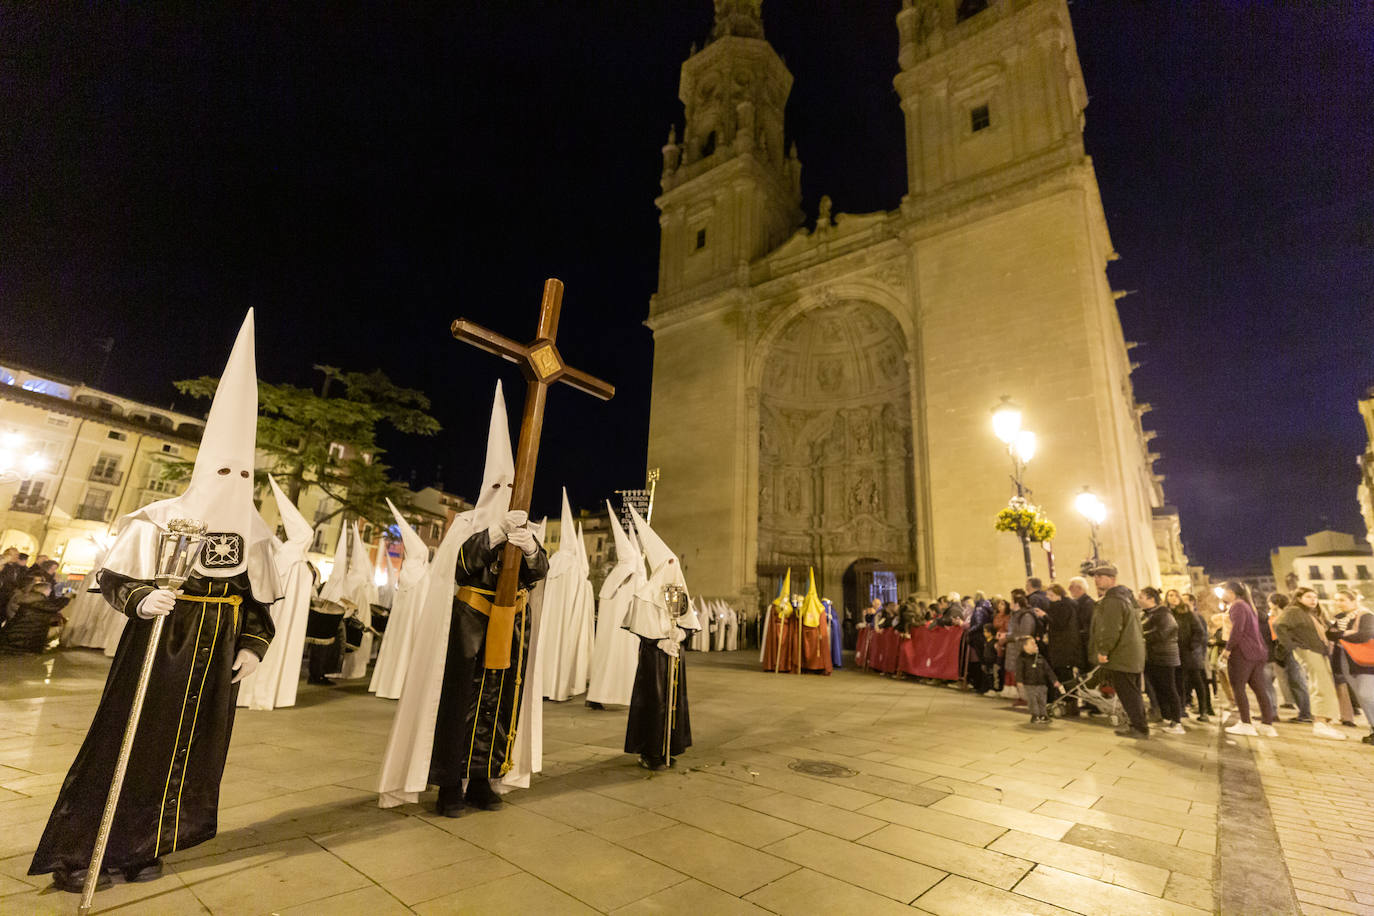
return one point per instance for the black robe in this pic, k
(646, 732)
(479, 707)
(170, 797)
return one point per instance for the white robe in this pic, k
(86, 613)
(275, 681)
(615, 656)
(408, 598)
(568, 624)
(701, 638)
(362, 591)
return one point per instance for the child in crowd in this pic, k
(1034, 673)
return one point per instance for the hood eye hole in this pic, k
(243, 473)
(224, 472)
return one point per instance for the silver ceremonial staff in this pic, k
(675, 597)
(177, 549)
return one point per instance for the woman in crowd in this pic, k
(1353, 652)
(1023, 623)
(1293, 681)
(1245, 658)
(1191, 676)
(1162, 658)
(1301, 628)
(1001, 617)
(1337, 624)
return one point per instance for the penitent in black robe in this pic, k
(646, 732)
(479, 707)
(170, 797)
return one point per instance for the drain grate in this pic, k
(822, 768)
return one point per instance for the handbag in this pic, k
(1361, 653)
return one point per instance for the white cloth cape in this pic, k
(362, 591)
(86, 613)
(568, 617)
(407, 600)
(615, 654)
(276, 679)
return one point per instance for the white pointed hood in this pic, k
(220, 492)
(584, 562)
(299, 532)
(567, 530)
(417, 554)
(499, 474)
(336, 587)
(627, 557)
(656, 553)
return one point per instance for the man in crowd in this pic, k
(1117, 642)
(1035, 594)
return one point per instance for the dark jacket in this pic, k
(1245, 639)
(1117, 632)
(1033, 671)
(1023, 623)
(1192, 638)
(1039, 599)
(1161, 637)
(1086, 606)
(1297, 629)
(1066, 643)
(1344, 664)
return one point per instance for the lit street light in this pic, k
(15, 466)
(1020, 443)
(1094, 510)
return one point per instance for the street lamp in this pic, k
(1020, 443)
(1094, 510)
(14, 465)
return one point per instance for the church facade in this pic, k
(822, 397)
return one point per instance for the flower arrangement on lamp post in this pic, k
(1028, 522)
(1021, 516)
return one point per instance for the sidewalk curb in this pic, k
(1251, 873)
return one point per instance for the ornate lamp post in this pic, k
(1094, 510)
(1020, 443)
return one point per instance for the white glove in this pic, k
(157, 604)
(668, 647)
(514, 519)
(524, 539)
(245, 663)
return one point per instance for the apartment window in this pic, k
(336, 451)
(1338, 572)
(1361, 572)
(1314, 573)
(701, 239)
(171, 449)
(980, 118)
(1321, 591)
(59, 420)
(118, 436)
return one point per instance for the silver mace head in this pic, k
(675, 598)
(177, 550)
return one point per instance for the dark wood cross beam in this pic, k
(542, 366)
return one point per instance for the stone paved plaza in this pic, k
(939, 802)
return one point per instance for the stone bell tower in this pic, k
(730, 190)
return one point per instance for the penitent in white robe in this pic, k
(362, 591)
(275, 681)
(409, 595)
(568, 616)
(615, 653)
(86, 613)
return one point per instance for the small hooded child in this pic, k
(1035, 674)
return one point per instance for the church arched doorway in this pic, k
(836, 475)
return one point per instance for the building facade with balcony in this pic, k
(1328, 561)
(98, 456)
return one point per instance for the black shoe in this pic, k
(481, 795)
(592, 704)
(74, 881)
(1306, 720)
(320, 681)
(450, 801)
(148, 871)
(1202, 718)
(1139, 734)
(1369, 738)
(652, 763)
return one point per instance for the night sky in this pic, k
(362, 176)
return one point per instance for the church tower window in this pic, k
(701, 239)
(980, 118)
(709, 146)
(969, 8)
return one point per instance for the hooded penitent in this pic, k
(407, 597)
(649, 617)
(615, 652)
(778, 610)
(220, 493)
(362, 594)
(406, 763)
(274, 683)
(568, 615)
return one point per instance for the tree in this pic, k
(331, 442)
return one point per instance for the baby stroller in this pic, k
(1091, 690)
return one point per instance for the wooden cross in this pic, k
(542, 366)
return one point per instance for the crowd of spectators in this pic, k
(1056, 648)
(28, 610)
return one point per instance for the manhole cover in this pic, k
(822, 768)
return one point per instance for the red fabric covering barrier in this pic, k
(883, 649)
(932, 652)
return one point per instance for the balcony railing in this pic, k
(35, 504)
(94, 513)
(110, 476)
